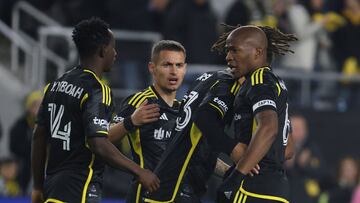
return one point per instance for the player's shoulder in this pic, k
(225, 83)
(262, 76)
(136, 99)
(94, 85)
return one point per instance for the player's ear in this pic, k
(151, 67)
(102, 51)
(258, 52)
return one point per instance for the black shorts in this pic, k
(71, 187)
(133, 193)
(186, 194)
(263, 188)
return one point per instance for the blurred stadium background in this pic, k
(323, 77)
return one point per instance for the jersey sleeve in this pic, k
(41, 115)
(221, 96)
(263, 96)
(123, 111)
(97, 114)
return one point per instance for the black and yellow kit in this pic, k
(75, 108)
(263, 90)
(190, 157)
(149, 141)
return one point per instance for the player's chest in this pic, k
(242, 108)
(162, 129)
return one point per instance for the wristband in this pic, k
(128, 124)
(236, 177)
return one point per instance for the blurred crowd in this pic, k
(328, 33)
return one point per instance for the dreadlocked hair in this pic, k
(278, 42)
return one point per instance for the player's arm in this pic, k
(96, 135)
(261, 141)
(146, 113)
(103, 148)
(211, 124)
(290, 148)
(38, 157)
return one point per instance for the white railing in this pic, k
(30, 69)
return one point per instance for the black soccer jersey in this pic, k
(262, 90)
(76, 107)
(149, 141)
(215, 89)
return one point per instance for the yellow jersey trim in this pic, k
(221, 112)
(136, 144)
(52, 200)
(83, 199)
(279, 89)
(260, 196)
(214, 84)
(195, 136)
(46, 88)
(106, 97)
(102, 132)
(257, 77)
(85, 97)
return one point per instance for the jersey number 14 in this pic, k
(55, 124)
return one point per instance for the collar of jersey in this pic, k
(93, 73)
(266, 67)
(158, 96)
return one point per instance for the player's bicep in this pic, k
(220, 99)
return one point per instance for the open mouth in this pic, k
(173, 81)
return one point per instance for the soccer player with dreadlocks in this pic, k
(260, 115)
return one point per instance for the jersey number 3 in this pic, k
(55, 123)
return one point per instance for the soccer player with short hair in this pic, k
(70, 140)
(148, 142)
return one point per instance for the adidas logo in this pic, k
(163, 117)
(228, 194)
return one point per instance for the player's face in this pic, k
(168, 70)
(239, 56)
(110, 53)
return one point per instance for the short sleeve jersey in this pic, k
(263, 90)
(75, 108)
(215, 89)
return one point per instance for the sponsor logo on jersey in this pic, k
(102, 123)
(118, 119)
(237, 117)
(67, 88)
(160, 134)
(204, 77)
(221, 103)
(163, 117)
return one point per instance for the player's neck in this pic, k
(167, 96)
(92, 65)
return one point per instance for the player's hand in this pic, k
(146, 113)
(37, 196)
(227, 190)
(255, 170)
(149, 180)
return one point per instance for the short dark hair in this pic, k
(168, 45)
(88, 35)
